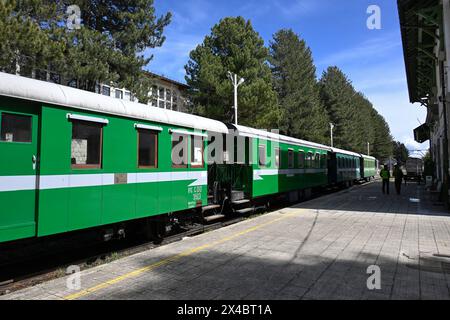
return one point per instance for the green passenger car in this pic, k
(71, 159)
(282, 164)
(369, 165)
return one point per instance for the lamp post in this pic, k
(368, 148)
(234, 79)
(331, 127)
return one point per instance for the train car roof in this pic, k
(25, 88)
(368, 157)
(257, 133)
(349, 153)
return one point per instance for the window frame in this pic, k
(261, 164)
(317, 160)
(277, 153)
(192, 150)
(309, 161)
(89, 166)
(291, 157)
(156, 133)
(301, 159)
(20, 115)
(186, 141)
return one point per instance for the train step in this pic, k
(239, 202)
(211, 207)
(244, 211)
(214, 217)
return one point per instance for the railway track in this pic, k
(30, 271)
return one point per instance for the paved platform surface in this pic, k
(315, 250)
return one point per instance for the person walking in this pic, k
(398, 175)
(385, 176)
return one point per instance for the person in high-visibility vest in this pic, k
(385, 175)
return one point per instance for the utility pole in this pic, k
(236, 84)
(332, 127)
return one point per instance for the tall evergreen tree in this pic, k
(108, 47)
(356, 121)
(234, 46)
(294, 75)
(401, 153)
(382, 139)
(337, 94)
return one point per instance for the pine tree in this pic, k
(337, 94)
(356, 121)
(107, 48)
(234, 46)
(400, 152)
(294, 75)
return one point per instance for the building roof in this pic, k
(419, 20)
(46, 92)
(177, 83)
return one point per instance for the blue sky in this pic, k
(336, 31)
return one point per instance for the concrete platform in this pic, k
(316, 250)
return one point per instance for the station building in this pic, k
(165, 93)
(425, 29)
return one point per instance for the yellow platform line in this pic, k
(166, 261)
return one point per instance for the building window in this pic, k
(277, 157)
(147, 148)
(55, 78)
(291, 159)
(161, 104)
(161, 93)
(106, 91)
(301, 159)
(119, 94)
(86, 146)
(15, 128)
(175, 107)
(41, 74)
(168, 95)
(179, 151)
(197, 152)
(262, 155)
(74, 84)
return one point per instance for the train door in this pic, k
(18, 171)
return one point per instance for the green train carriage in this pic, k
(369, 167)
(271, 164)
(344, 167)
(71, 159)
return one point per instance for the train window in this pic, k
(301, 159)
(277, 157)
(15, 128)
(147, 148)
(197, 152)
(86, 148)
(262, 155)
(317, 161)
(323, 161)
(290, 159)
(179, 151)
(309, 160)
